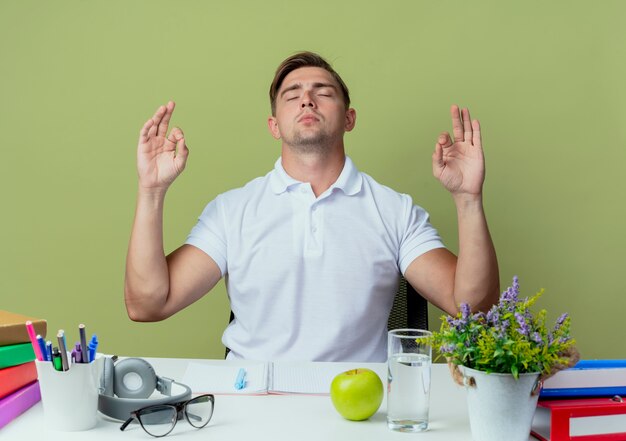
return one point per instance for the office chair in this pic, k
(409, 310)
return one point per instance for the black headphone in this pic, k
(126, 385)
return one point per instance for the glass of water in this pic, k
(408, 380)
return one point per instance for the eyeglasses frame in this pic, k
(179, 407)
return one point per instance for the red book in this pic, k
(16, 377)
(585, 419)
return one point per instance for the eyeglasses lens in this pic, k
(158, 420)
(199, 411)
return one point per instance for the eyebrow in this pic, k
(314, 86)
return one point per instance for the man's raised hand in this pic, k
(160, 157)
(459, 164)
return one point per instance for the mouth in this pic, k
(308, 118)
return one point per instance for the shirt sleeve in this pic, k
(209, 234)
(419, 235)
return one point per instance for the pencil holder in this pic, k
(70, 398)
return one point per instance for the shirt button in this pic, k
(303, 190)
(314, 230)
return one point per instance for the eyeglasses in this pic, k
(160, 419)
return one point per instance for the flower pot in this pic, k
(500, 406)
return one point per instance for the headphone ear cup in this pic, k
(134, 378)
(108, 372)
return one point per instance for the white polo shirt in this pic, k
(312, 278)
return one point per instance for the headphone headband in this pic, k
(121, 407)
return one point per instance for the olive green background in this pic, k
(79, 78)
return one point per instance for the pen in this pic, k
(64, 341)
(42, 347)
(48, 350)
(56, 360)
(33, 340)
(93, 345)
(63, 350)
(240, 382)
(83, 343)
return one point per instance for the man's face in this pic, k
(310, 111)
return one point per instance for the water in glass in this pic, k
(408, 392)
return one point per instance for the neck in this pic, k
(321, 170)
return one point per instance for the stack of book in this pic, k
(586, 402)
(19, 389)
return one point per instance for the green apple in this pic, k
(357, 393)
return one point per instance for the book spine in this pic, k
(15, 332)
(18, 402)
(583, 392)
(16, 377)
(16, 354)
(600, 364)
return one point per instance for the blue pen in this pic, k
(42, 346)
(240, 382)
(48, 350)
(93, 345)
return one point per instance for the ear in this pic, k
(350, 119)
(272, 124)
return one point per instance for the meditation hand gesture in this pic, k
(459, 165)
(160, 158)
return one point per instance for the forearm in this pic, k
(476, 276)
(147, 278)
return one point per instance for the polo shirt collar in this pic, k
(349, 181)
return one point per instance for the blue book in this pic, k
(588, 378)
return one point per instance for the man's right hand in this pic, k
(160, 158)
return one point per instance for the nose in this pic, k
(307, 100)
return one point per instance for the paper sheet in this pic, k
(220, 378)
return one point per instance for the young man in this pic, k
(312, 251)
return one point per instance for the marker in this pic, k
(63, 350)
(33, 340)
(56, 359)
(78, 352)
(42, 347)
(93, 345)
(83, 342)
(240, 382)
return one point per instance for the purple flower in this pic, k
(521, 321)
(447, 349)
(537, 337)
(465, 311)
(560, 320)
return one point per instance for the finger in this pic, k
(143, 133)
(467, 126)
(174, 137)
(165, 121)
(438, 163)
(182, 152)
(476, 138)
(156, 119)
(457, 125)
(444, 140)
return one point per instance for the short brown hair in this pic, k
(304, 59)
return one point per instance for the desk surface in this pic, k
(271, 417)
